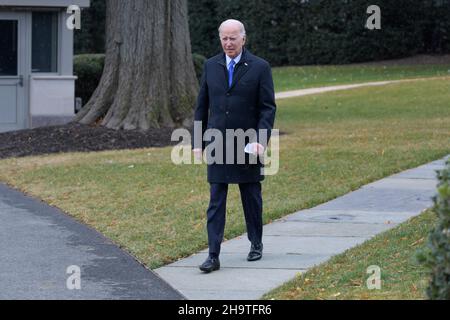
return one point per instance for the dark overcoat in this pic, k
(248, 104)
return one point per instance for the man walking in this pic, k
(236, 93)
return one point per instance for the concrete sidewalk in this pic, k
(306, 238)
(38, 243)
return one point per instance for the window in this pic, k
(8, 47)
(45, 42)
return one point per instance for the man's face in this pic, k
(232, 41)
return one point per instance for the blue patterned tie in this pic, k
(230, 73)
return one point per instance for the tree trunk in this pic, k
(149, 79)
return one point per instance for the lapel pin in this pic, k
(246, 64)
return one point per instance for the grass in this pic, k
(335, 143)
(344, 276)
(294, 78)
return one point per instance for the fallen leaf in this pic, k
(417, 242)
(356, 283)
(336, 295)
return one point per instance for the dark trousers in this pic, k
(252, 205)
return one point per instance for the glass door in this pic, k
(12, 93)
(8, 47)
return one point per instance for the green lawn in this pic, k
(345, 277)
(294, 78)
(334, 143)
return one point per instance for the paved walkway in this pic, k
(305, 92)
(306, 238)
(38, 243)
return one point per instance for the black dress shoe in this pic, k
(211, 264)
(255, 252)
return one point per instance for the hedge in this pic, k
(299, 32)
(88, 68)
(436, 255)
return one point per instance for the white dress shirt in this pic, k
(236, 60)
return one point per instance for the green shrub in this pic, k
(199, 61)
(203, 24)
(300, 32)
(436, 256)
(88, 68)
(91, 37)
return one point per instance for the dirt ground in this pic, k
(76, 137)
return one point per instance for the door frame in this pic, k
(23, 68)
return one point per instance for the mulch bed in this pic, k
(75, 137)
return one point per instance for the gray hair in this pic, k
(233, 22)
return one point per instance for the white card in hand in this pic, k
(249, 147)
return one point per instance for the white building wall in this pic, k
(51, 100)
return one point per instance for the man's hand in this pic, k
(258, 149)
(198, 154)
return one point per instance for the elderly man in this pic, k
(236, 93)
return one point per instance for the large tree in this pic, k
(149, 79)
